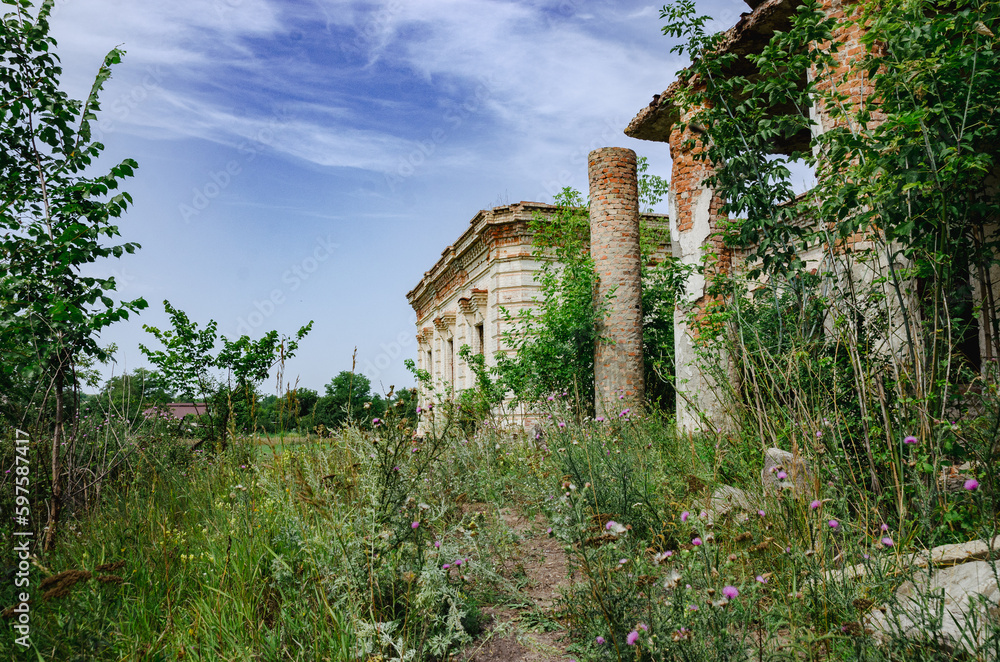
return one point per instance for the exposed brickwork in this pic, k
(847, 78)
(614, 245)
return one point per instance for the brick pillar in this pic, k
(614, 245)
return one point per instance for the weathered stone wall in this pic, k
(614, 245)
(694, 230)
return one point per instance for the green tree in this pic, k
(349, 400)
(56, 220)
(225, 379)
(131, 394)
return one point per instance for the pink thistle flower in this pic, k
(761, 578)
(887, 541)
(562, 424)
(696, 542)
(599, 640)
(833, 524)
(971, 484)
(782, 475)
(684, 516)
(610, 525)
(815, 504)
(632, 637)
(643, 627)
(730, 592)
(910, 439)
(446, 566)
(761, 513)
(884, 527)
(415, 525)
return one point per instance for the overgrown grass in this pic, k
(374, 545)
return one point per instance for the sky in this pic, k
(310, 160)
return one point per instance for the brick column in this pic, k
(614, 245)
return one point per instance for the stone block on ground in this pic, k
(797, 476)
(966, 619)
(727, 499)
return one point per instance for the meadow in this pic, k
(376, 545)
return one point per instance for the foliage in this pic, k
(900, 227)
(189, 363)
(131, 394)
(56, 220)
(349, 399)
(553, 342)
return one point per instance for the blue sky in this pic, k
(309, 160)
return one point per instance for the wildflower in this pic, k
(643, 627)
(600, 419)
(815, 504)
(661, 557)
(761, 513)
(884, 527)
(819, 433)
(562, 424)
(610, 524)
(437, 544)
(887, 541)
(632, 637)
(834, 524)
(376, 421)
(760, 578)
(622, 561)
(551, 398)
(599, 640)
(696, 542)
(782, 475)
(624, 412)
(971, 484)
(693, 607)
(684, 516)
(445, 566)
(703, 514)
(415, 525)
(730, 592)
(910, 439)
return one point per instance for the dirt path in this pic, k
(517, 634)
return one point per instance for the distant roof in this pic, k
(177, 410)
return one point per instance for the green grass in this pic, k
(306, 550)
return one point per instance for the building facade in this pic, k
(494, 265)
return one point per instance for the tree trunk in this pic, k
(57, 433)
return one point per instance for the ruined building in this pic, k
(694, 209)
(493, 264)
